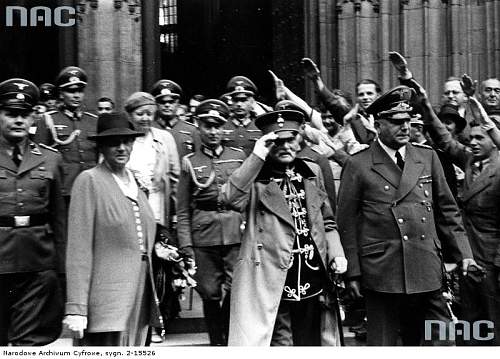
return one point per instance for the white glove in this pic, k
(76, 324)
(339, 265)
(264, 144)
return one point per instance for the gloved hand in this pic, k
(76, 324)
(264, 144)
(339, 265)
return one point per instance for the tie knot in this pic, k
(16, 155)
(399, 160)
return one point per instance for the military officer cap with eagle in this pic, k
(19, 94)
(71, 76)
(393, 105)
(212, 110)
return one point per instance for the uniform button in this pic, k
(139, 234)
(426, 193)
(421, 185)
(386, 188)
(139, 228)
(137, 215)
(259, 246)
(137, 221)
(262, 212)
(81, 162)
(424, 219)
(81, 151)
(422, 236)
(20, 204)
(41, 168)
(135, 208)
(401, 220)
(19, 190)
(405, 238)
(428, 209)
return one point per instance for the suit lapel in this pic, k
(272, 198)
(482, 181)
(412, 171)
(314, 198)
(384, 166)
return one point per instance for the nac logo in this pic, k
(40, 15)
(479, 330)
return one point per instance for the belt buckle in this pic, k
(22, 221)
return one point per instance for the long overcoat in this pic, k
(103, 261)
(264, 259)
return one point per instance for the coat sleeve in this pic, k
(349, 203)
(59, 216)
(235, 192)
(447, 216)
(173, 173)
(184, 191)
(81, 229)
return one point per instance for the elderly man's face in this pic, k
(490, 93)
(284, 150)
(453, 94)
(394, 133)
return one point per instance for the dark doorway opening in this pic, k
(210, 41)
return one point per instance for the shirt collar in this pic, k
(391, 152)
(212, 153)
(242, 123)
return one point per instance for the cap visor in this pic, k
(285, 134)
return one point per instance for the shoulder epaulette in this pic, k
(48, 147)
(185, 132)
(236, 149)
(360, 151)
(50, 112)
(190, 124)
(90, 114)
(421, 145)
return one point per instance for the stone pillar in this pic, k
(110, 51)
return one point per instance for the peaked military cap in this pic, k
(212, 109)
(166, 88)
(241, 85)
(19, 94)
(290, 105)
(71, 76)
(285, 123)
(47, 92)
(394, 104)
(450, 111)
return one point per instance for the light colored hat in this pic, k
(138, 99)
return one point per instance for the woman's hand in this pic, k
(76, 324)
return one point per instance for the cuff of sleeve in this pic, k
(76, 309)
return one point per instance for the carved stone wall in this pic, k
(440, 38)
(110, 51)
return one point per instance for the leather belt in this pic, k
(24, 221)
(211, 206)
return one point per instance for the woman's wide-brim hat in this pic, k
(112, 125)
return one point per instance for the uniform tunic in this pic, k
(241, 134)
(69, 135)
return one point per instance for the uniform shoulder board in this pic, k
(422, 145)
(190, 124)
(47, 147)
(91, 114)
(51, 112)
(236, 149)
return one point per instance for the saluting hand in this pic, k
(310, 68)
(468, 86)
(264, 144)
(400, 64)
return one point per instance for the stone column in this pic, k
(110, 51)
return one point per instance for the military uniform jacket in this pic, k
(388, 219)
(241, 134)
(78, 152)
(33, 189)
(185, 136)
(202, 219)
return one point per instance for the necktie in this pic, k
(16, 156)
(399, 160)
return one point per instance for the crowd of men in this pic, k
(412, 189)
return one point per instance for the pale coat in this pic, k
(167, 169)
(261, 270)
(103, 257)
